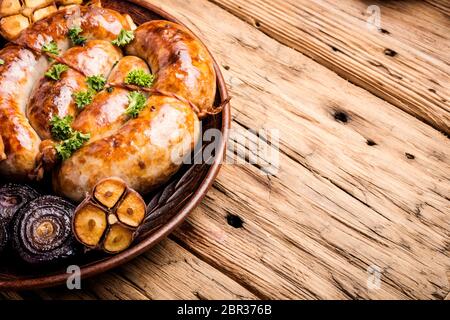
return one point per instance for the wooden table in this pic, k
(360, 204)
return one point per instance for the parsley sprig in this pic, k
(2, 62)
(140, 78)
(67, 147)
(96, 83)
(61, 127)
(56, 70)
(124, 38)
(83, 98)
(136, 104)
(51, 47)
(70, 140)
(74, 35)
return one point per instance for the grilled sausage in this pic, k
(107, 110)
(20, 71)
(147, 150)
(96, 23)
(181, 62)
(52, 97)
(24, 65)
(2, 150)
(144, 152)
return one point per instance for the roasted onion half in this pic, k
(13, 197)
(3, 236)
(42, 231)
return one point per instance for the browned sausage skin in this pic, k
(181, 62)
(144, 152)
(22, 69)
(107, 110)
(18, 74)
(55, 97)
(96, 23)
(2, 150)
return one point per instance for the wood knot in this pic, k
(409, 156)
(335, 49)
(390, 52)
(341, 116)
(371, 143)
(234, 221)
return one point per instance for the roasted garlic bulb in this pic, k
(17, 15)
(109, 217)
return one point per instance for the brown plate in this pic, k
(167, 207)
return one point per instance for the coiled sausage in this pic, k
(147, 150)
(52, 97)
(23, 65)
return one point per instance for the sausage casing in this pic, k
(52, 97)
(18, 74)
(148, 150)
(182, 64)
(144, 152)
(107, 110)
(23, 67)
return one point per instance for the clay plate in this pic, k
(167, 206)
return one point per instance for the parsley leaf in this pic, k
(70, 140)
(83, 98)
(51, 47)
(56, 70)
(140, 78)
(61, 127)
(137, 104)
(124, 38)
(74, 35)
(2, 62)
(67, 147)
(96, 83)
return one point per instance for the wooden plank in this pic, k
(361, 184)
(10, 295)
(406, 61)
(166, 272)
(441, 5)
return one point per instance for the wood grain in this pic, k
(362, 186)
(406, 61)
(337, 205)
(442, 5)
